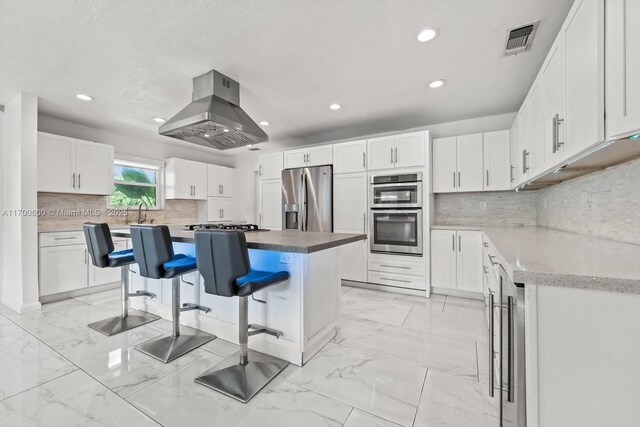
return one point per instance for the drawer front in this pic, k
(397, 280)
(61, 238)
(401, 265)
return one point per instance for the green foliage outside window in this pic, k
(134, 186)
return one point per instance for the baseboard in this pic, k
(384, 288)
(19, 308)
(457, 293)
(78, 292)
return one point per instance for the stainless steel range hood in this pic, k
(214, 118)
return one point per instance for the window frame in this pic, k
(159, 185)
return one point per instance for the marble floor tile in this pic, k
(359, 418)
(463, 302)
(177, 400)
(453, 321)
(387, 388)
(360, 303)
(221, 347)
(483, 362)
(100, 297)
(430, 350)
(451, 401)
(26, 362)
(71, 400)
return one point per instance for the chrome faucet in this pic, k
(140, 219)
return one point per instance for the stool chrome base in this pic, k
(166, 349)
(115, 325)
(242, 382)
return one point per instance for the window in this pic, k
(134, 184)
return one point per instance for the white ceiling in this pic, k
(292, 58)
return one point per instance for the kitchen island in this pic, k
(305, 308)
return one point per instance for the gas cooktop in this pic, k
(241, 227)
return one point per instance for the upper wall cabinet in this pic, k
(220, 181)
(623, 68)
(271, 166)
(68, 165)
(349, 157)
(397, 151)
(496, 161)
(185, 179)
(457, 164)
(310, 156)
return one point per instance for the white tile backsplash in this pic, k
(490, 208)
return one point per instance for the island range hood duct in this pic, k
(214, 118)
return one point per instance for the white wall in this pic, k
(19, 192)
(132, 146)
(1, 203)
(247, 164)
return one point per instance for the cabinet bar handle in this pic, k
(74, 180)
(364, 160)
(485, 244)
(491, 258)
(260, 170)
(459, 243)
(364, 223)
(453, 242)
(78, 180)
(396, 151)
(491, 326)
(395, 266)
(391, 154)
(64, 238)
(396, 280)
(454, 179)
(459, 182)
(558, 142)
(511, 179)
(487, 177)
(524, 161)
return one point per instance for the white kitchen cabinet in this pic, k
(68, 165)
(584, 69)
(524, 141)
(397, 151)
(443, 259)
(513, 143)
(496, 160)
(63, 268)
(271, 166)
(469, 261)
(220, 181)
(270, 204)
(350, 216)
(185, 179)
(102, 276)
(535, 160)
(349, 157)
(309, 156)
(380, 151)
(469, 161)
(220, 209)
(445, 165)
(622, 68)
(456, 260)
(554, 101)
(457, 164)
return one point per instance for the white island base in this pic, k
(305, 308)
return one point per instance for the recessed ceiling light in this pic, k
(265, 123)
(206, 135)
(335, 106)
(225, 130)
(159, 120)
(427, 34)
(84, 97)
(437, 83)
(249, 145)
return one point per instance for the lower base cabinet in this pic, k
(352, 261)
(456, 260)
(65, 264)
(400, 271)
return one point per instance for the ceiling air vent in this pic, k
(519, 39)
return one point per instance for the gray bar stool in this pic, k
(154, 254)
(101, 250)
(223, 262)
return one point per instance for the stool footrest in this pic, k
(259, 329)
(188, 307)
(142, 294)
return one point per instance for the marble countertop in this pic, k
(543, 256)
(280, 241)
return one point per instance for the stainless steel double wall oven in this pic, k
(395, 203)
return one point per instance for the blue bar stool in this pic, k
(154, 254)
(223, 262)
(100, 245)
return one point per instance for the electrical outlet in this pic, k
(286, 258)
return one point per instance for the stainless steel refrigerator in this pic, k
(307, 197)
